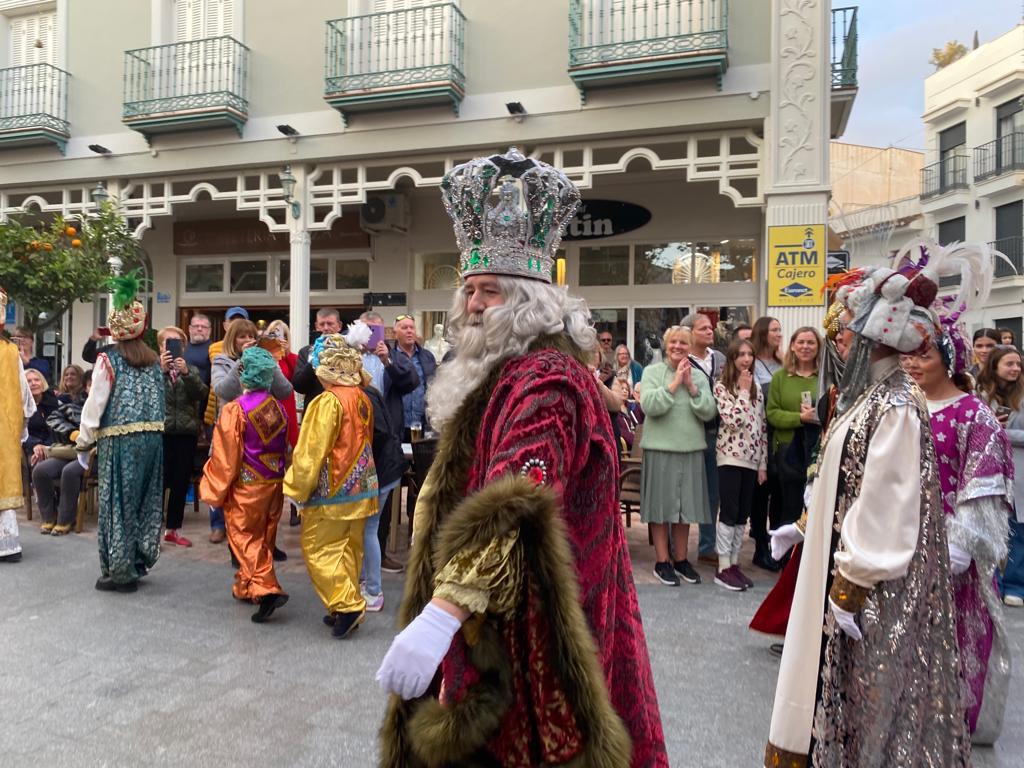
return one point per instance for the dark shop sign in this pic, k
(605, 218)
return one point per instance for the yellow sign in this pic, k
(796, 266)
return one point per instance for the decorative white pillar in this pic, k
(797, 135)
(298, 293)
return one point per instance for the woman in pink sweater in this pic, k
(742, 452)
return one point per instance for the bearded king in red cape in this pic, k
(522, 643)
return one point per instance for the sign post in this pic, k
(796, 265)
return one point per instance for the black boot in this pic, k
(12, 558)
(268, 604)
(280, 555)
(347, 623)
(293, 520)
(107, 584)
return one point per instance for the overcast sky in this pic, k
(896, 41)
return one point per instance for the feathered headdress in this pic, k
(974, 265)
(127, 318)
(358, 335)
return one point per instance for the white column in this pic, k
(298, 293)
(797, 131)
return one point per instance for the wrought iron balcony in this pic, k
(1001, 156)
(1013, 249)
(187, 86)
(33, 106)
(394, 59)
(625, 41)
(844, 47)
(944, 176)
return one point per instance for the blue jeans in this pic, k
(1011, 581)
(371, 544)
(707, 530)
(216, 518)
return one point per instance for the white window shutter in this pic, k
(19, 45)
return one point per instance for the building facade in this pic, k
(972, 186)
(286, 156)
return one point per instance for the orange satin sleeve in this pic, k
(225, 461)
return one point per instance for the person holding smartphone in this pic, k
(791, 412)
(1001, 385)
(185, 392)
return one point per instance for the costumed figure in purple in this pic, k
(975, 468)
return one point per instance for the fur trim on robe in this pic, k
(423, 734)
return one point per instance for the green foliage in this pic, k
(46, 268)
(950, 52)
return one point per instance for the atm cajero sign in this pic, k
(796, 266)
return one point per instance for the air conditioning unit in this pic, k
(385, 213)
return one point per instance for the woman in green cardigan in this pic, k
(792, 396)
(672, 485)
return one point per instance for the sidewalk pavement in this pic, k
(176, 674)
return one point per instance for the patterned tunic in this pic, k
(976, 477)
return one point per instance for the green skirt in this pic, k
(131, 510)
(673, 488)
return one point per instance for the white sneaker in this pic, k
(1013, 601)
(374, 603)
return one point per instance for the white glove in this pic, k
(846, 621)
(783, 539)
(416, 652)
(83, 460)
(959, 560)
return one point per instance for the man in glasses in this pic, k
(26, 343)
(197, 352)
(407, 345)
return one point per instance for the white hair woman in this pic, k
(673, 487)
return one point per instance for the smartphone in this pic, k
(1002, 410)
(376, 337)
(806, 399)
(173, 347)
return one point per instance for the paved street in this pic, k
(176, 674)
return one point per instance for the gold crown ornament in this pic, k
(337, 362)
(127, 319)
(509, 213)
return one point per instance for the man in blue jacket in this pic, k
(407, 347)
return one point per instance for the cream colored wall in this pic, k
(866, 176)
(99, 32)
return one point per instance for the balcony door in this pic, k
(400, 35)
(622, 21)
(1010, 134)
(952, 146)
(202, 62)
(26, 89)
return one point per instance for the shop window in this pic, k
(204, 278)
(662, 264)
(318, 274)
(649, 325)
(249, 276)
(724, 320)
(681, 263)
(351, 275)
(613, 320)
(604, 265)
(438, 271)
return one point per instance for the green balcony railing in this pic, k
(844, 47)
(395, 57)
(608, 32)
(198, 81)
(34, 105)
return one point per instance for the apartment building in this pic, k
(972, 186)
(286, 155)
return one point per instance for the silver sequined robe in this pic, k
(893, 698)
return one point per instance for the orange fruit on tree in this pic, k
(48, 246)
(70, 231)
(34, 245)
(76, 243)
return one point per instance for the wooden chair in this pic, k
(26, 476)
(88, 495)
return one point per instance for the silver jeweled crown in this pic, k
(500, 233)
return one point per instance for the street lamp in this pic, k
(288, 189)
(99, 194)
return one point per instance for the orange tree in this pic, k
(46, 268)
